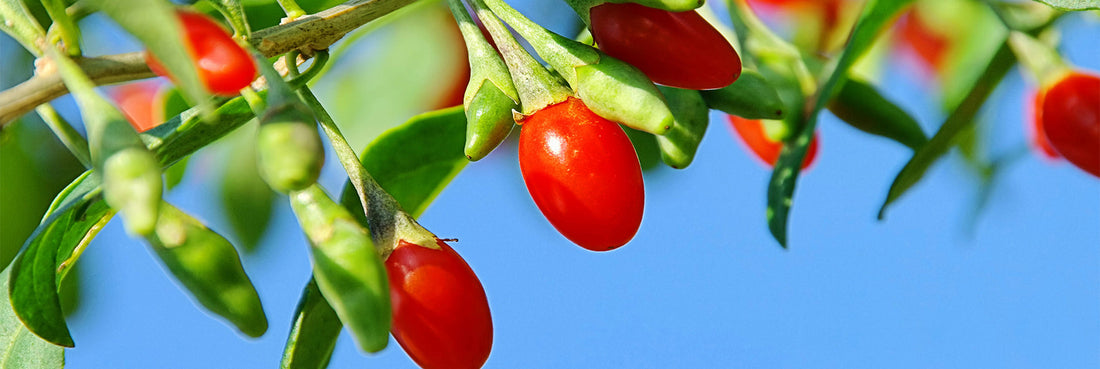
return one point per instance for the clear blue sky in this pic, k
(702, 284)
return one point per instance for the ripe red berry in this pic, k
(751, 132)
(440, 313)
(583, 174)
(929, 46)
(138, 102)
(678, 49)
(1070, 117)
(1039, 138)
(224, 67)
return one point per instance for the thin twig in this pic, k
(307, 33)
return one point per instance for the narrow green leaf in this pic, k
(19, 348)
(154, 22)
(34, 274)
(861, 106)
(80, 207)
(313, 333)
(749, 97)
(958, 122)
(415, 161)
(209, 267)
(1072, 4)
(782, 184)
(347, 267)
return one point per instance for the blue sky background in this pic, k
(702, 284)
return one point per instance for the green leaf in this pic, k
(154, 22)
(415, 161)
(313, 333)
(399, 70)
(35, 273)
(347, 267)
(1072, 4)
(861, 106)
(79, 208)
(875, 15)
(16, 20)
(19, 348)
(958, 122)
(248, 202)
(173, 176)
(749, 97)
(209, 267)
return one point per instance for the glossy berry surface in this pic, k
(440, 313)
(1070, 118)
(583, 174)
(751, 132)
(224, 67)
(678, 49)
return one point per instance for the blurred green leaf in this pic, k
(79, 207)
(209, 267)
(174, 174)
(876, 14)
(401, 69)
(154, 22)
(861, 106)
(247, 200)
(1073, 4)
(33, 168)
(19, 348)
(957, 123)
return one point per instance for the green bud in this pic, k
(289, 149)
(612, 88)
(132, 185)
(209, 267)
(749, 97)
(488, 120)
(491, 95)
(621, 93)
(347, 267)
(678, 145)
(861, 106)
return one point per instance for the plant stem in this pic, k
(537, 87)
(383, 213)
(315, 31)
(293, 11)
(64, 24)
(255, 102)
(234, 13)
(66, 133)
